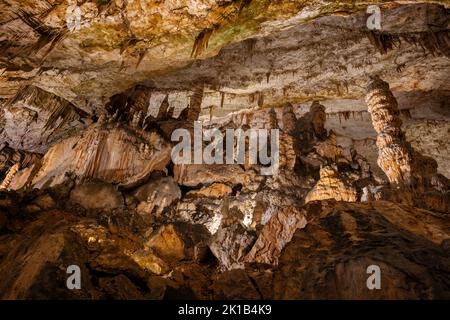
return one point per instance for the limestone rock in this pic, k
(395, 154)
(329, 149)
(196, 174)
(168, 243)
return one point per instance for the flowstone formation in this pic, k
(91, 114)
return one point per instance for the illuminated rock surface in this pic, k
(87, 113)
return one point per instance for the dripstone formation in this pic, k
(89, 121)
(395, 155)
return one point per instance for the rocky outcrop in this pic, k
(231, 245)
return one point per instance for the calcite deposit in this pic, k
(96, 97)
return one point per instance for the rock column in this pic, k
(395, 155)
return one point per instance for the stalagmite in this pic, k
(395, 155)
(287, 140)
(331, 186)
(9, 176)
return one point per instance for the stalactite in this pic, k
(47, 34)
(63, 111)
(251, 98)
(60, 109)
(273, 119)
(210, 112)
(222, 99)
(346, 115)
(141, 57)
(251, 43)
(260, 99)
(201, 42)
(162, 112)
(289, 118)
(434, 42)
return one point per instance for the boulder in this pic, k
(167, 243)
(97, 195)
(157, 194)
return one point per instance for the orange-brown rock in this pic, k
(168, 243)
(216, 191)
(331, 186)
